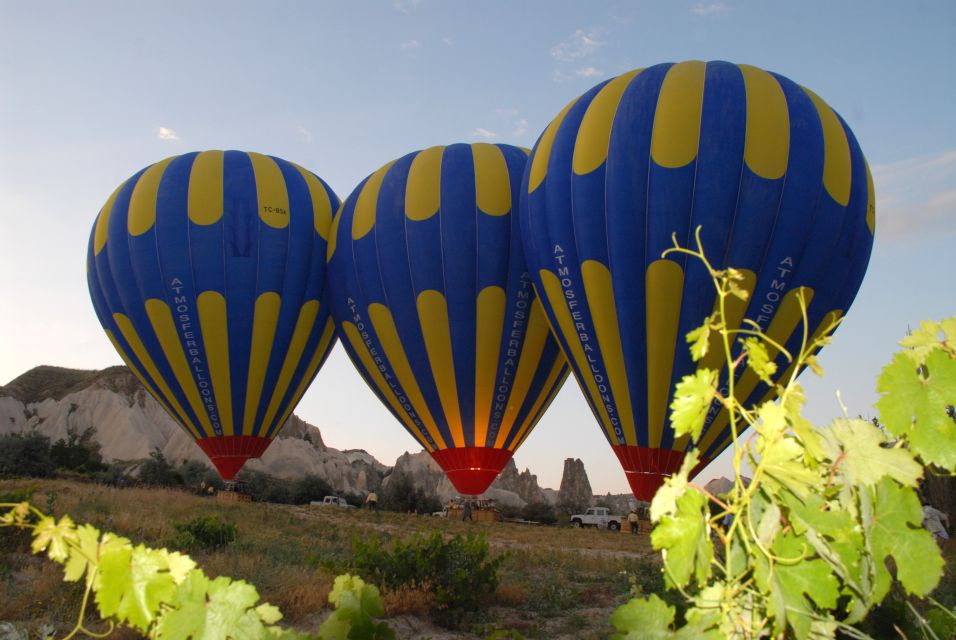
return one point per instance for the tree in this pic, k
(157, 471)
(26, 455)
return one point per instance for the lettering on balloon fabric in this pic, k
(515, 334)
(584, 333)
(195, 355)
(777, 288)
(381, 363)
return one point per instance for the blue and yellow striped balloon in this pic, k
(780, 188)
(436, 307)
(207, 271)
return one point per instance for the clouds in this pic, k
(578, 45)
(165, 133)
(916, 197)
(408, 45)
(572, 51)
(508, 122)
(709, 8)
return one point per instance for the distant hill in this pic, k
(130, 424)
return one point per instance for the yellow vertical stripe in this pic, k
(300, 336)
(433, 318)
(142, 203)
(368, 364)
(601, 303)
(542, 155)
(535, 339)
(205, 200)
(837, 172)
(594, 134)
(161, 318)
(489, 325)
(132, 339)
(734, 310)
(784, 322)
(264, 321)
(271, 191)
(548, 391)
(677, 119)
(328, 333)
(870, 200)
(665, 286)
(363, 218)
(321, 204)
(333, 234)
(215, 334)
(423, 188)
(492, 182)
(101, 232)
(767, 138)
(139, 375)
(387, 334)
(559, 305)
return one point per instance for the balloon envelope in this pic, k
(436, 308)
(207, 272)
(781, 190)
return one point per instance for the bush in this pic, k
(458, 571)
(26, 455)
(158, 472)
(402, 496)
(539, 512)
(309, 488)
(78, 452)
(204, 533)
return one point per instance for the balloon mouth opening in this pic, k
(646, 468)
(472, 469)
(229, 453)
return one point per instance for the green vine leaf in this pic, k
(862, 456)
(759, 360)
(797, 583)
(692, 399)
(684, 540)
(665, 500)
(896, 530)
(84, 554)
(699, 338)
(914, 405)
(54, 537)
(652, 619)
(782, 462)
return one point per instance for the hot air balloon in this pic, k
(436, 308)
(207, 271)
(778, 185)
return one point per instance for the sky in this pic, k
(92, 92)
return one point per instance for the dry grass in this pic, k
(407, 601)
(511, 594)
(550, 576)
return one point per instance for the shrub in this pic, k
(26, 455)
(78, 452)
(204, 533)
(458, 571)
(539, 512)
(158, 472)
(402, 496)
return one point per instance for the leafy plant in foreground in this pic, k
(831, 516)
(164, 595)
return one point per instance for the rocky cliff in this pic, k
(130, 424)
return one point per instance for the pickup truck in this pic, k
(331, 500)
(599, 517)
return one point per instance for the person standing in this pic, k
(933, 520)
(371, 501)
(633, 520)
(466, 511)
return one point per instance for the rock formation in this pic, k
(524, 484)
(130, 425)
(575, 492)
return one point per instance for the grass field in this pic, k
(554, 582)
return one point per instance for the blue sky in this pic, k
(92, 92)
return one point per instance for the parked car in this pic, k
(599, 517)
